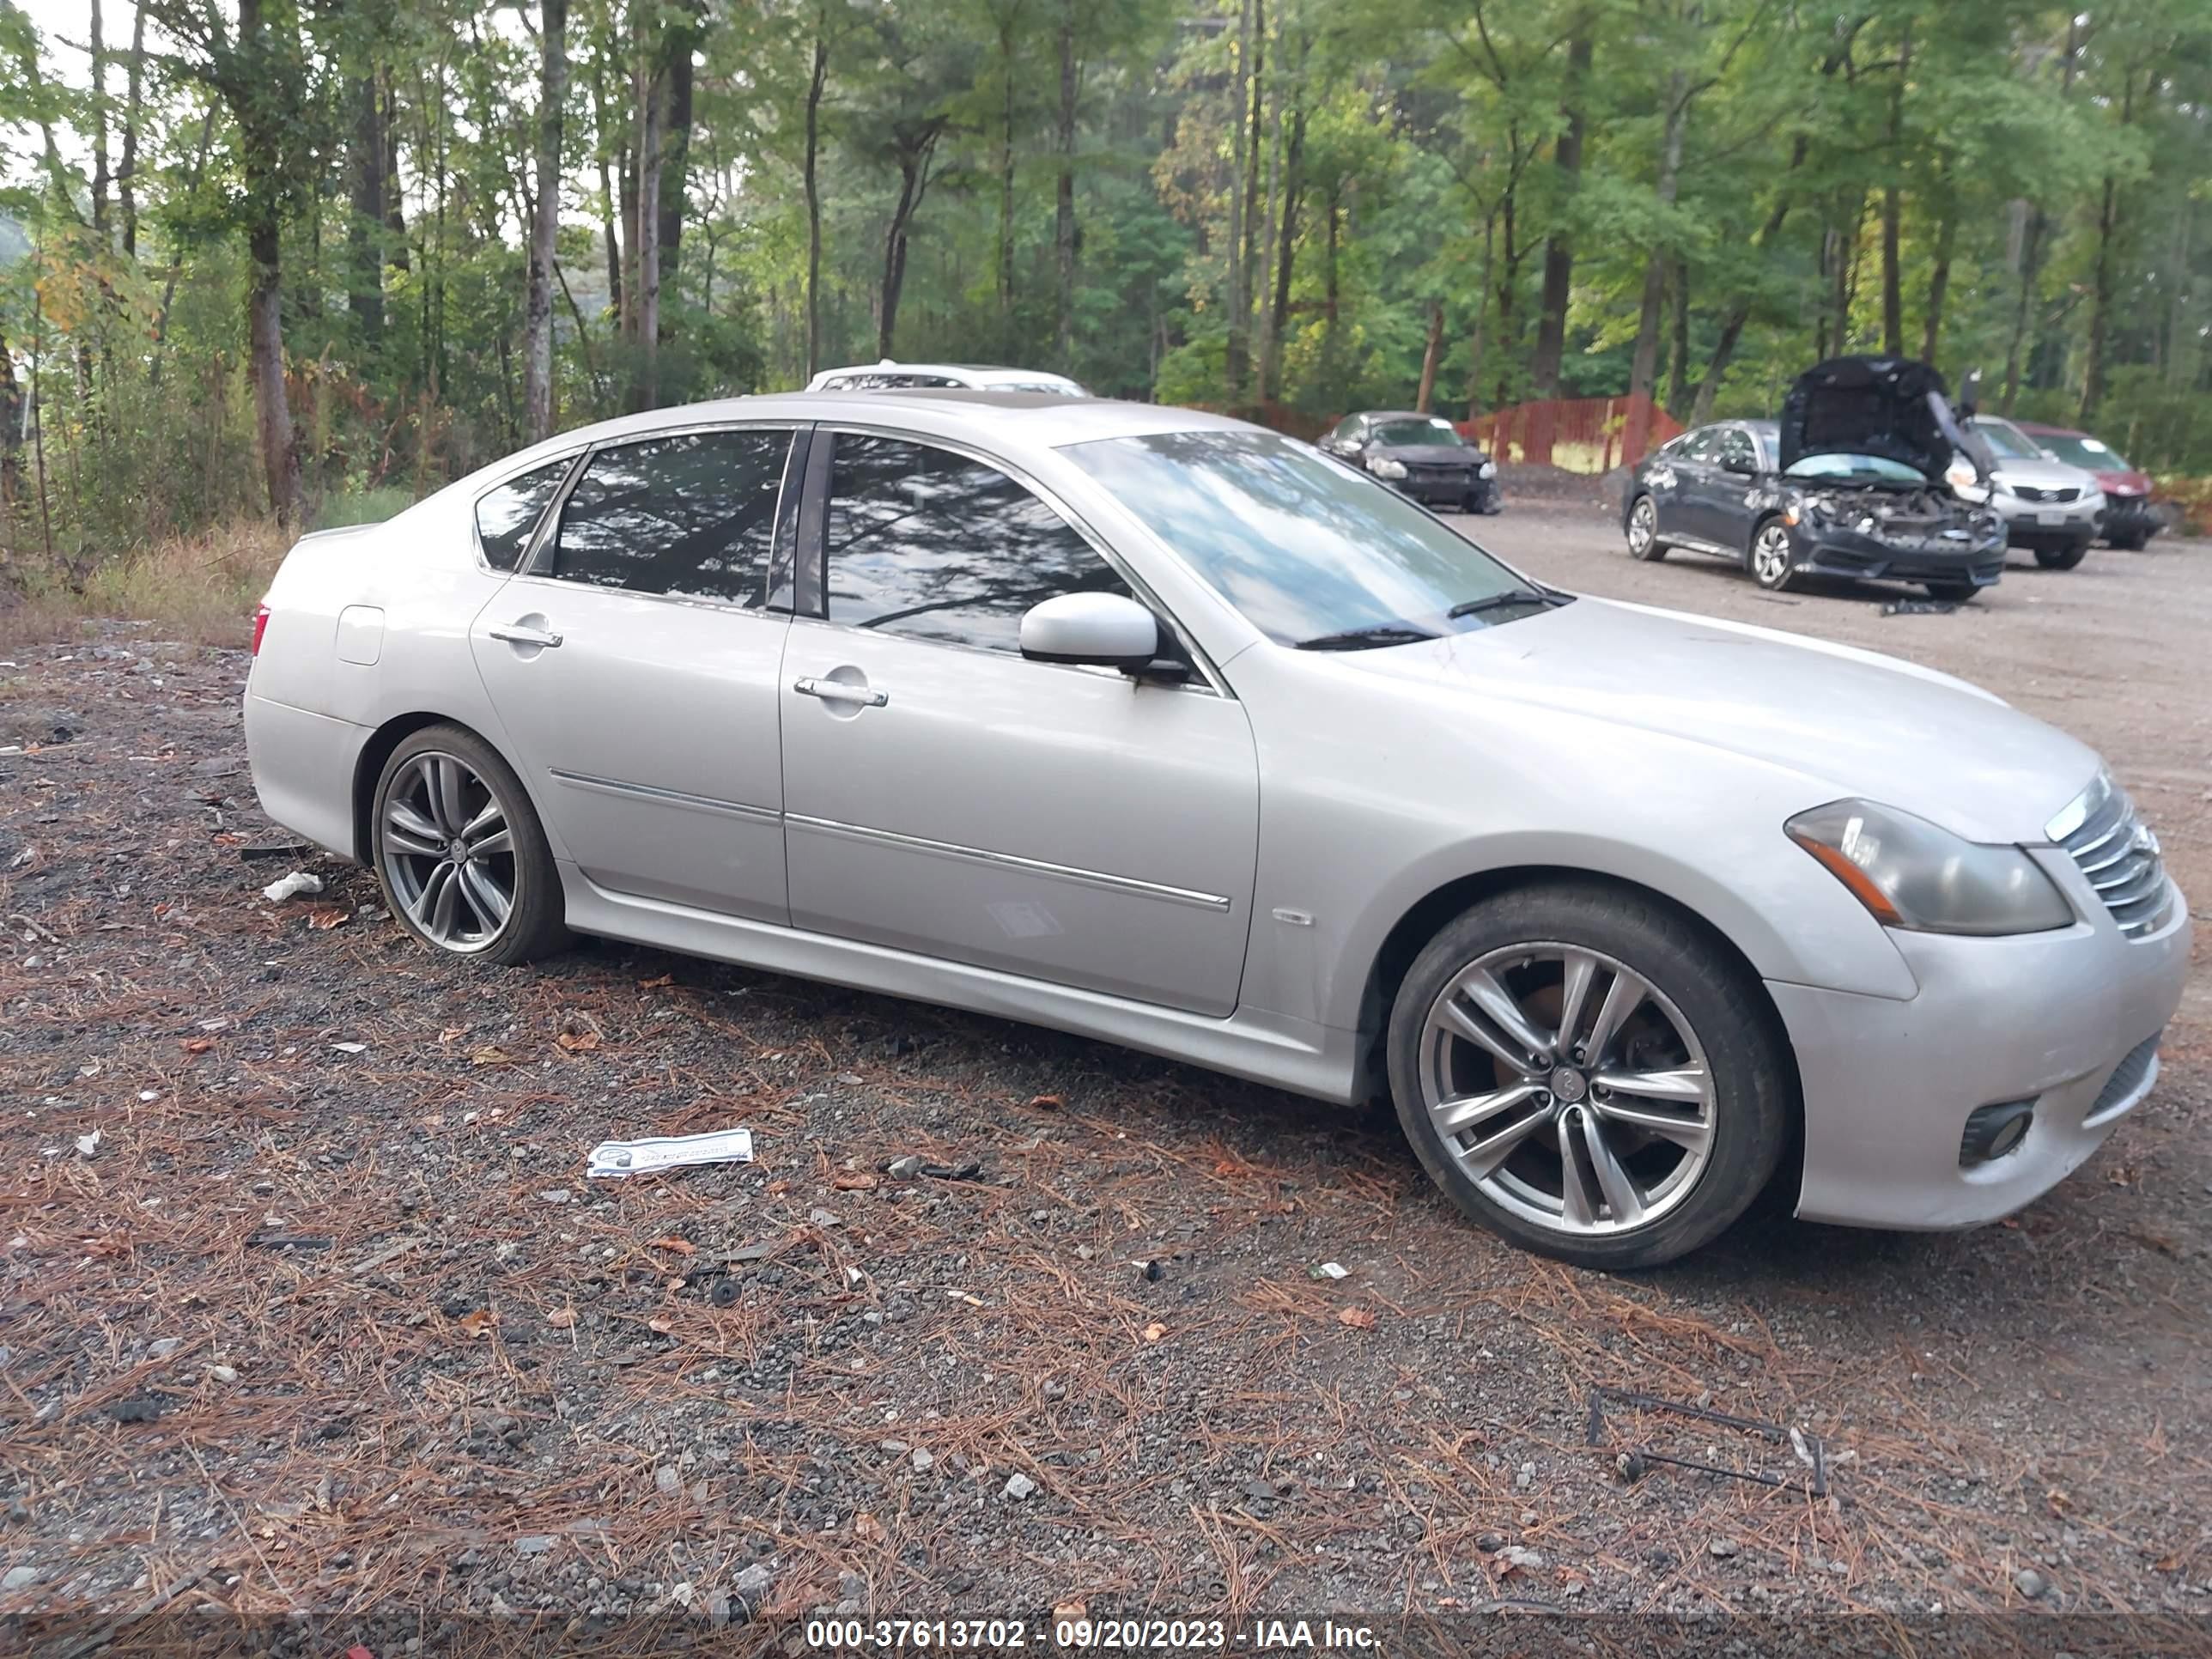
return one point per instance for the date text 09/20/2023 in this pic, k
(1126, 1635)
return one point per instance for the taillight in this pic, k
(260, 626)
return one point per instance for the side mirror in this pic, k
(1108, 630)
(1739, 465)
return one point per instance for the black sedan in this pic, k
(1864, 476)
(1422, 455)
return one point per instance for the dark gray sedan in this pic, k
(1419, 455)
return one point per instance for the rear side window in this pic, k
(692, 514)
(506, 515)
(929, 543)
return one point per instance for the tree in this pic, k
(544, 220)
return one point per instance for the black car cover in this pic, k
(1892, 407)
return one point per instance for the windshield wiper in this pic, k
(1366, 639)
(1495, 601)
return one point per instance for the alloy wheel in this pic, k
(1643, 526)
(448, 852)
(1770, 555)
(1568, 1088)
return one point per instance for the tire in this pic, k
(452, 906)
(1770, 558)
(1951, 592)
(2062, 558)
(1644, 540)
(1524, 940)
(2131, 542)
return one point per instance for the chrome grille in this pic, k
(2032, 493)
(2118, 853)
(2127, 1077)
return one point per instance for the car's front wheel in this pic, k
(1644, 540)
(1584, 1071)
(462, 857)
(1773, 561)
(2062, 558)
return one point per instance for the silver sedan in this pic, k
(1162, 728)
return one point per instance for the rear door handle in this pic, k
(838, 691)
(516, 634)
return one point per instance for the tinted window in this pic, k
(1307, 548)
(1735, 445)
(1703, 445)
(693, 514)
(506, 515)
(923, 541)
(1402, 433)
(2006, 441)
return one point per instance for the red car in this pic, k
(2128, 521)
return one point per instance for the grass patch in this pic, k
(199, 588)
(363, 505)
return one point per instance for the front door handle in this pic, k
(516, 634)
(839, 691)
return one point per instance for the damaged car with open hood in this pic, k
(1868, 474)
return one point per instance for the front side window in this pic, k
(2006, 441)
(506, 515)
(923, 541)
(1703, 445)
(692, 514)
(1314, 552)
(1736, 450)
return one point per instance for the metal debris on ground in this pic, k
(1919, 608)
(1325, 1270)
(292, 886)
(1634, 1460)
(614, 1160)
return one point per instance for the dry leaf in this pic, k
(323, 917)
(479, 1323)
(655, 984)
(867, 1529)
(661, 1323)
(1358, 1318)
(1154, 1331)
(491, 1056)
(1046, 1102)
(453, 1034)
(680, 1246)
(198, 1045)
(2166, 1563)
(562, 1319)
(1071, 1610)
(778, 1188)
(578, 1042)
(854, 1180)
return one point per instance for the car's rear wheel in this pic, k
(1586, 1073)
(2062, 558)
(1951, 592)
(2131, 541)
(460, 853)
(1772, 560)
(1644, 540)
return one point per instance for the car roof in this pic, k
(888, 366)
(1396, 415)
(2042, 431)
(1012, 420)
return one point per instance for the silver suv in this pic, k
(2049, 507)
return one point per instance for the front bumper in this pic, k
(2048, 524)
(1450, 492)
(2053, 1017)
(2130, 515)
(1837, 550)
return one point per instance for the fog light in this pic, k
(1993, 1131)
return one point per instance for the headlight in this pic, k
(1489, 470)
(1383, 467)
(1911, 874)
(1959, 475)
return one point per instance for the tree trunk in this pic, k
(1286, 233)
(1547, 358)
(1476, 343)
(395, 212)
(1063, 228)
(1426, 395)
(2100, 292)
(814, 196)
(1939, 276)
(1328, 389)
(913, 180)
(1248, 264)
(1892, 210)
(538, 413)
(365, 229)
(1678, 375)
(11, 443)
(645, 260)
(673, 170)
(1238, 353)
(1643, 362)
(1739, 309)
(1005, 263)
(126, 175)
(101, 179)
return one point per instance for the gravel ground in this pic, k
(326, 1317)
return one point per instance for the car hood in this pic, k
(2042, 475)
(1893, 407)
(1429, 454)
(1850, 722)
(2123, 483)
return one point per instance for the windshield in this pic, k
(1397, 433)
(2006, 441)
(1056, 388)
(1856, 469)
(1310, 550)
(2086, 452)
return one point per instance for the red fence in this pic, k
(1577, 434)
